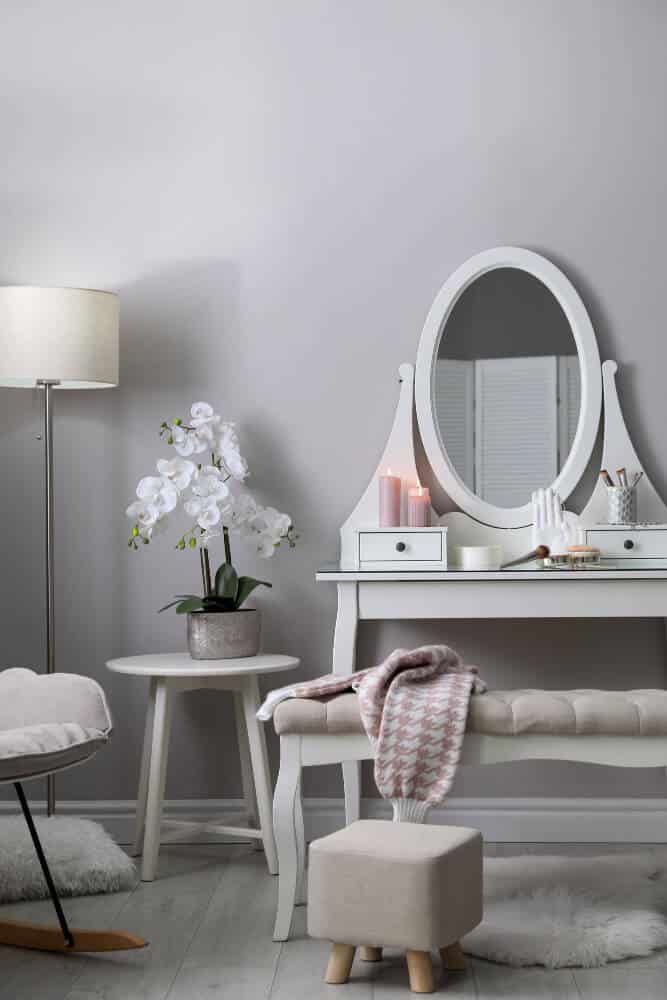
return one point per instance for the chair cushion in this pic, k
(337, 713)
(396, 884)
(569, 713)
(505, 713)
(49, 721)
(30, 699)
(33, 750)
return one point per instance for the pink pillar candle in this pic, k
(419, 507)
(390, 501)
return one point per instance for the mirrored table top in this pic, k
(605, 569)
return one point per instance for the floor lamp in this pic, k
(56, 338)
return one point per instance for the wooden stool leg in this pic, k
(420, 971)
(370, 954)
(452, 957)
(340, 963)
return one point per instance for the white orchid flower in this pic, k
(266, 547)
(159, 491)
(201, 411)
(145, 514)
(204, 510)
(278, 524)
(242, 508)
(214, 531)
(210, 484)
(270, 522)
(201, 442)
(183, 441)
(227, 436)
(179, 470)
(235, 464)
(148, 487)
(204, 432)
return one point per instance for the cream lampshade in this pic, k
(67, 336)
(56, 338)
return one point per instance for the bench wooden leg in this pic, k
(340, 963)
(370, 954)
(420, 970)
(287, 841)
(453, 958)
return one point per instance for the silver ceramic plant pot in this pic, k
(223, 635)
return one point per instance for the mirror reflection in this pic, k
(507, 386)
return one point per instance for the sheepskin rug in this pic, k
(82, 857)
(568, 911)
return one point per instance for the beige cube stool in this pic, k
(401, 885)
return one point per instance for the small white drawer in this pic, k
(398, 548)
(634, 543)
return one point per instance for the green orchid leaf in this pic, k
(226, 582)
(191, 604)
(246, 586)
(177, 600)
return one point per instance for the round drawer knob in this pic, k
(628, 544)
(400, 546)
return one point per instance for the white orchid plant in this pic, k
(210, 494)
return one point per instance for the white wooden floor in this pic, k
(209, 918)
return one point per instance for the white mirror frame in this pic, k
(591, 381)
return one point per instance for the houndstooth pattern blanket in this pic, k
(414, 708)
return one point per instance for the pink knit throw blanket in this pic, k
(414, 708)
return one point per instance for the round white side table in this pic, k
(170, 673)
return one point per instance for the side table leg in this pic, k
(260, 770)
(140, 821)
(156, 779)
(247, 782)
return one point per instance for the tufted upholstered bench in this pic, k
(616, 728)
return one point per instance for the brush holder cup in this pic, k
(621, 505)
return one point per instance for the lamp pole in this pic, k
(47, 386)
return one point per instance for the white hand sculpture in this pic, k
(552, 525)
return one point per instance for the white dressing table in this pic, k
(615, 592)
(619, 588)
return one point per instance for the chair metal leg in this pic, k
(67, 934)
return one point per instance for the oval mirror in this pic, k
(508, 385)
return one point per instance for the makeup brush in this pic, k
(541, 552)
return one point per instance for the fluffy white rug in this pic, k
(82, 857)
(566, 911)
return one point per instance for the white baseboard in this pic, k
(548, 820)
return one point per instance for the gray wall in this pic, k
(277, 192)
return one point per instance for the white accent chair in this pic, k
(49, 723)
(616, 728)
